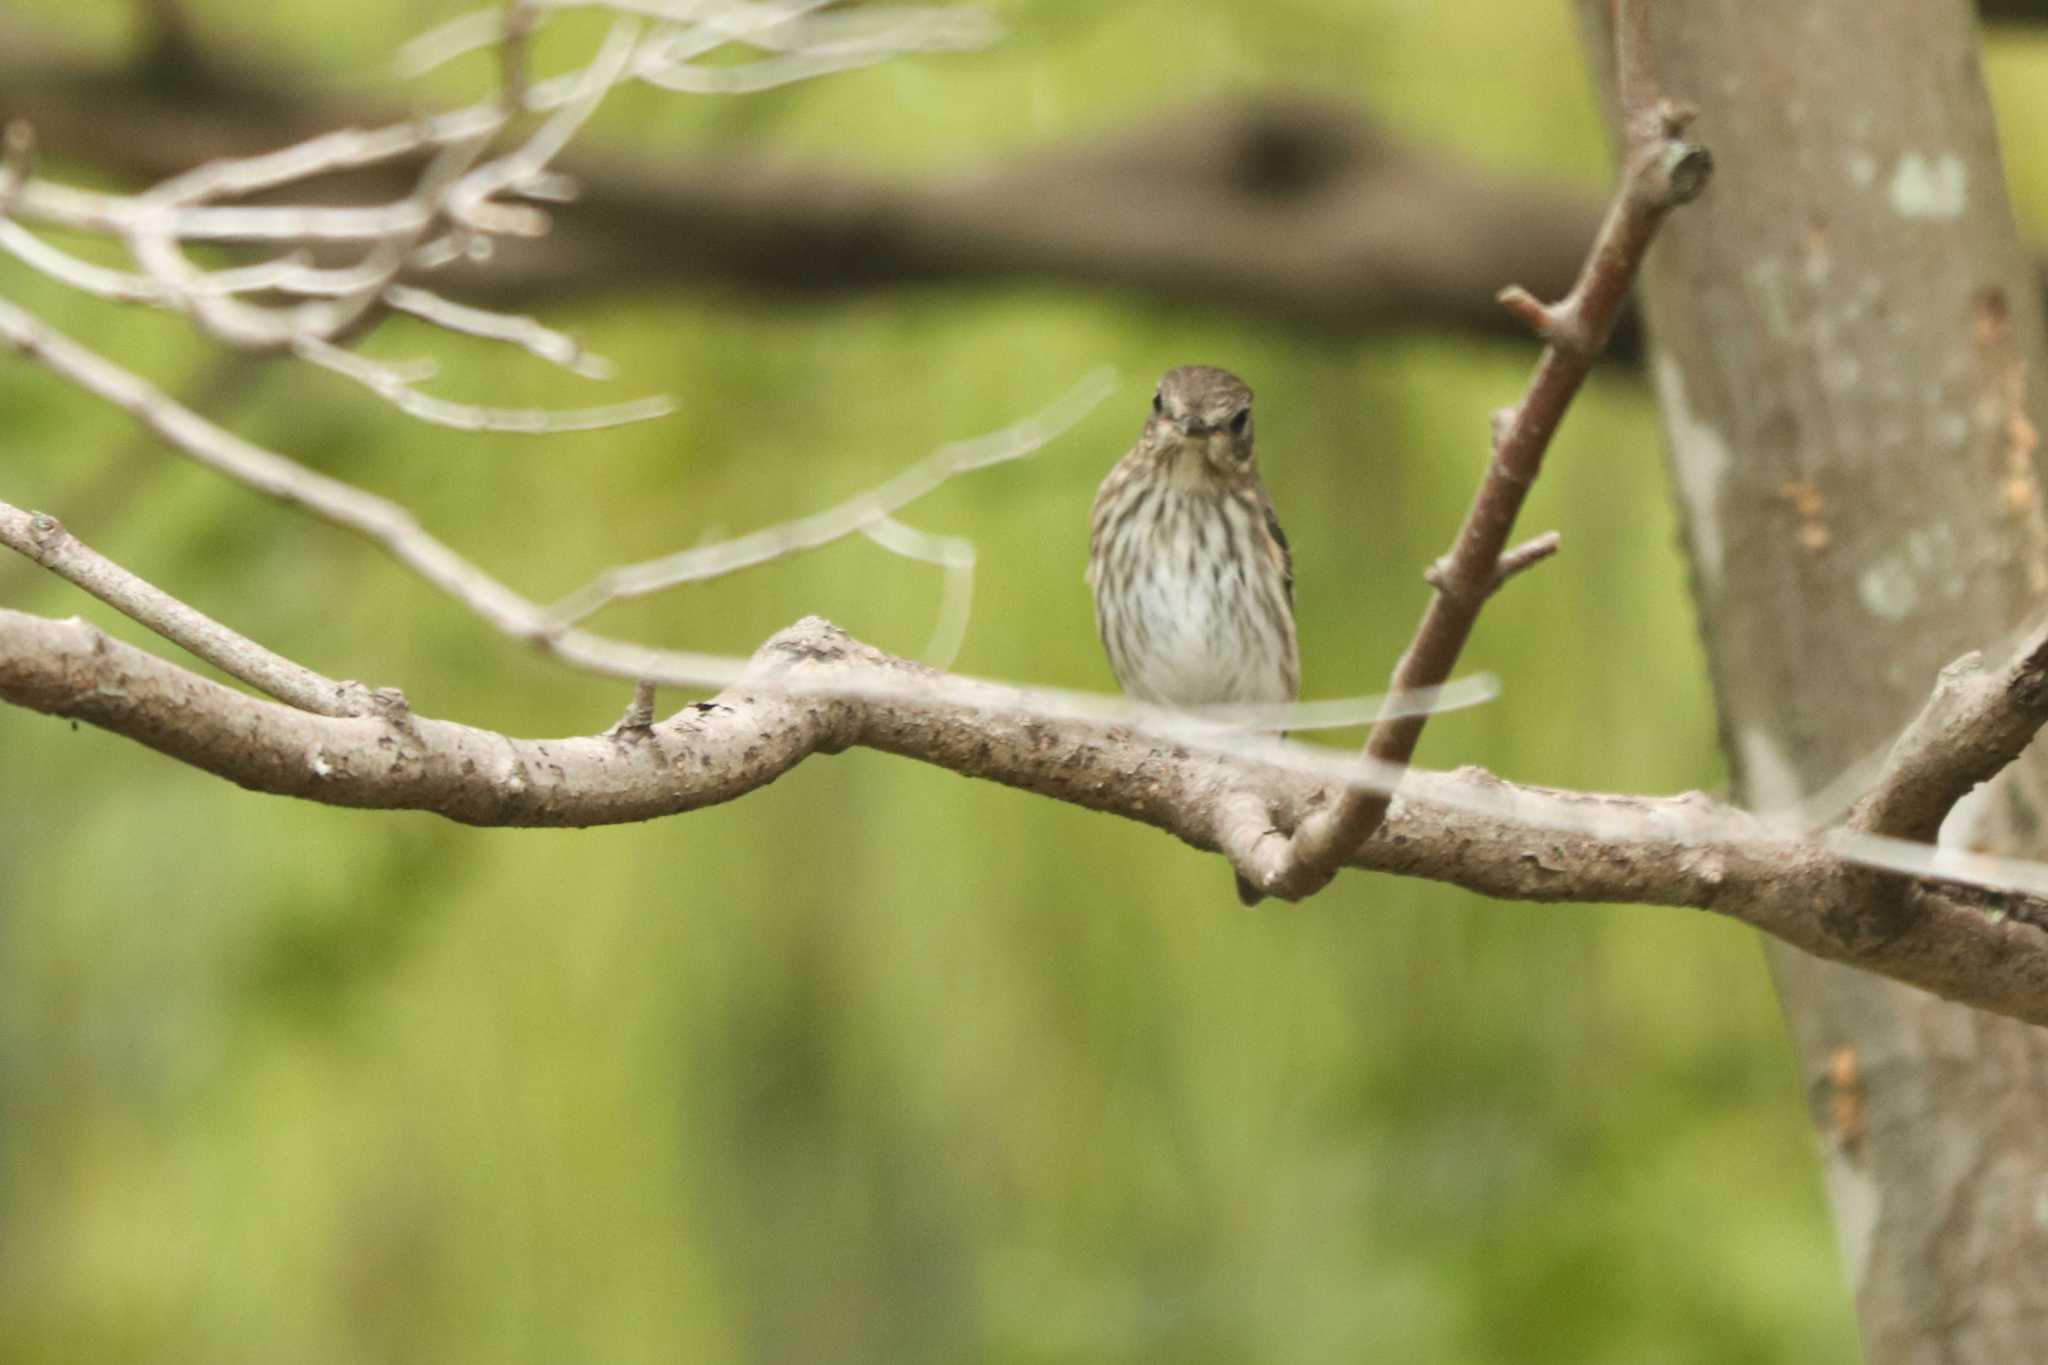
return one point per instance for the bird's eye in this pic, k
(1158, 405)
(1240, 420)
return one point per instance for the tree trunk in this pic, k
(1847, 353)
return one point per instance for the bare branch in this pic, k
(44, 540)
(391, 526)
(1659, 172)
(1276, 204)
(861, 513)
(515, 47)
(808, 44)
(811, 689)
(394, 384)
(954, 557)
(380, 520)
(116, 286)
(528, 334)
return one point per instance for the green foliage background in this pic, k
(879, 1064)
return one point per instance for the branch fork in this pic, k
(1441, 574)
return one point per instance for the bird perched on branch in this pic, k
(1193, 580)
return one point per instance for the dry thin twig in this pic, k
(456, 206)
(452, 211)
(864, 512)
(44, 540)
(394, 383)
(392, 527)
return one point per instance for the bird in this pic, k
(1192, 576)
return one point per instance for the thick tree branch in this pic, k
(812, 689)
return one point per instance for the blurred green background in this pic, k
(879, 1064)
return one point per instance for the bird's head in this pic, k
(1206, 413)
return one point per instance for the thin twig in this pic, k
(955, 558)
(394, 384)
(858, 513)
(393, 527)
(528, 334)
(1519, 560)
(43, 539)
(515, 48)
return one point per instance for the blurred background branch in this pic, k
(1282, 205)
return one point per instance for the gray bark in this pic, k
(1847, 352)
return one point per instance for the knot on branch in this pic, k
(811, 640)
(389, 705)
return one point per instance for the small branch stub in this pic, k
(639, 716)
(1558, 324)
(1523, 557)
(1527, 556)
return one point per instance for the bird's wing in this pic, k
(1279, 547)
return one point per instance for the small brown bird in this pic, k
(1193, 581)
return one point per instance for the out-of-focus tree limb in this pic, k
(2013, 11)
(1282, 205)
(1285, 206)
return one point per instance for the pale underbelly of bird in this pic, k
(1195, 639)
